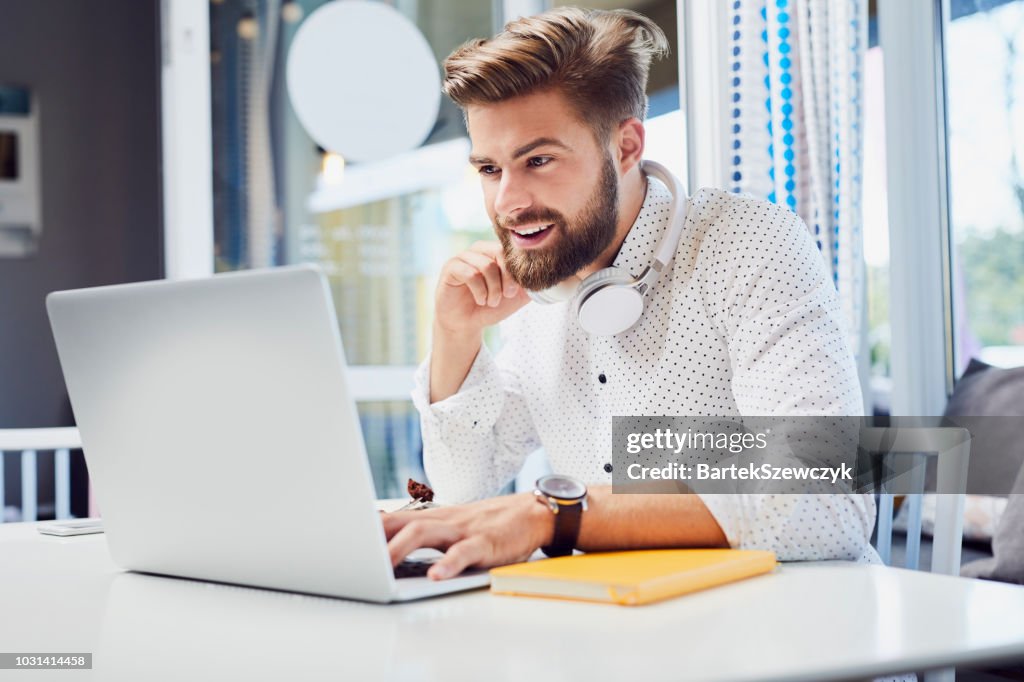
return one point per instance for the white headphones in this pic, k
(611, 300)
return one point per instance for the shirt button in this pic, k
(608, 467)
(602, 378)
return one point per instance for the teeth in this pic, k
(535, 230)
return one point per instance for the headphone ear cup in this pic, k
(601, 278)
(608, 302)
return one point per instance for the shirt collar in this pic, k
(637, 250)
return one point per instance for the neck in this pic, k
(632, 192)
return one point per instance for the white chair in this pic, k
(27, 443)
(905, 449)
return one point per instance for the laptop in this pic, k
(222, 438)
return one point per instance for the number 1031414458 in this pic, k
(13, 661)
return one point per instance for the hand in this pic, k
(475, 291)
(493, 532)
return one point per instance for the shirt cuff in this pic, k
(727, 513)
(475, 405)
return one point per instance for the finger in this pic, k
(419, 533)
(460, 556)
(489, 268)
(461, 273)
(396, 521)
(487, 248)
(493, 250)
(509, 286)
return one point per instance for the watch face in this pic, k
(563, 487)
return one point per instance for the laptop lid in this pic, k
(219, 431)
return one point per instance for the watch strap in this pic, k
(567, 530)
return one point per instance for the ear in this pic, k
(629, 144)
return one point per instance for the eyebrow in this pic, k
(522, 151)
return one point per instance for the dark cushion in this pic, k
(984, 390)
(1007, 562)
(997, 450)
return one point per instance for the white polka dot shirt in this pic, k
(743, 321)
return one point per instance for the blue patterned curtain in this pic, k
(796, 92)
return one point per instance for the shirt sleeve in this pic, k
(773, 301)
(475, 441)
(803, 527)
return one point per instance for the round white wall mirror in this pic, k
(363, 81)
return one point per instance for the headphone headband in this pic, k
(667, 248)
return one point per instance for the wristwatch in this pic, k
(567, 499)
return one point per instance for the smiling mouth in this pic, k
(526, 232)
(530, 236)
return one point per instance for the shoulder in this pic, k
(741, 232)
(753, 253)
(725, 220)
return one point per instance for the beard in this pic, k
(582, 238)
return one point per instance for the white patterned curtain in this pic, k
(796, 103)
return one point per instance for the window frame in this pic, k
(911, 37)
(186, 138)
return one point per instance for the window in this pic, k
(985, 125)
(380, 231)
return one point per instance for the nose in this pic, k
(511, 196)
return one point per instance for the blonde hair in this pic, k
(598, 59)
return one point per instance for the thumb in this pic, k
(521, 298)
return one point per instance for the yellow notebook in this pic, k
(630, 578)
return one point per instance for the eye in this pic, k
(538, 161)
(488, 170)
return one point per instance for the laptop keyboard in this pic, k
(412, 569)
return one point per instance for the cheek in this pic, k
(568, 201)
(489, 195)
(571, 190)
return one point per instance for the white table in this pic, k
(803, 622)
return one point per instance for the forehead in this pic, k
(497, 129)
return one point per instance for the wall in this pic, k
(95, 68)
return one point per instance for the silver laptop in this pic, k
(221, 437)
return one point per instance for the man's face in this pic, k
(551, 190)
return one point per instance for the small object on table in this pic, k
(419, 491)
(71, 527)
(422, 496)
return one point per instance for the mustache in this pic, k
(543, 215)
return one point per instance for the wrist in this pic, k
(459, 328)
(459, 342)
(541, 520)
(451, 358)
(566, 500)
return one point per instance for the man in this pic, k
(743, 321)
